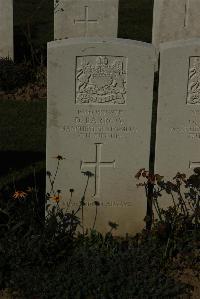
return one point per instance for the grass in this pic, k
(36, 15)
(23, 125)
(23, 139)
(17, 165)
(134, 267)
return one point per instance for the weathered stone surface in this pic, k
(86, 18)
(6, 28)
(175, 20)
(99, 119)
(178, 124)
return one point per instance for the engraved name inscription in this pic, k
(192, 127)
(100, 124)
(193, 90)
(101, 80)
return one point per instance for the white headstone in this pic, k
(175, 20)
(99, 118)
(6, 28)
(85, 18)
(178, 123)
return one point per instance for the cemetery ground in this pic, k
(51, 259)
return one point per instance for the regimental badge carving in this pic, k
(101, 80)
(58, 6)
(193, 90)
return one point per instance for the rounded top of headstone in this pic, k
(180, 43)
(83, 40)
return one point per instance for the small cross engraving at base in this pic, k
(86, 20)
(97, 165)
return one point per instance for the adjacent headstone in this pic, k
(175, 20)
(178, 123)
(99, 119)
(85, 18)
(6, 28)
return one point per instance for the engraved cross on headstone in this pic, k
(186, 16)
(86, 20)
(97, 165)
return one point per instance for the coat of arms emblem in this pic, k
(101, 80)
(193, 90)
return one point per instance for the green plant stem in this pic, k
(86, 186)
(185, 210)
(167, 248)
(82, 204)
(70, 200)
(191, 207)
(149, 213)
(56, 172)
(169, 240)
(158, 209)
(82, 218)
(175, 206)
(95, 218)
(197, 216)
(110, 230)
(79, 206)
(53, 181)
(71, 224)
